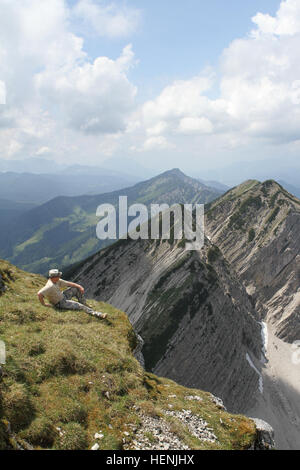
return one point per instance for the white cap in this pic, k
(54, 273)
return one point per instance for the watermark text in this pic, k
(161, 222)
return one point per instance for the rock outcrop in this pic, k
(265, 436)
(138, 351)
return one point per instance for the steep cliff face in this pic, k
(196, 319)
(199, 313)
(257, 228)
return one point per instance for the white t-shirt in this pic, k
(52, 291)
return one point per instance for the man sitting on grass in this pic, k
(62, 300)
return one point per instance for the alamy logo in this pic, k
(180, 221)
(2, 352)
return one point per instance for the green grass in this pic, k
(68, 376)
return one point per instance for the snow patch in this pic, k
(264, 336)
(260, 385)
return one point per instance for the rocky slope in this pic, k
(254, 239)
(196, 319)
(257, 228)
(279, 404)
(63, 230)
(71, 382)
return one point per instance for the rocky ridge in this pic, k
(257, 228)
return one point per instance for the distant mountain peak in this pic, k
(174, 172)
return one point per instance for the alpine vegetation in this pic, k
(71, 382)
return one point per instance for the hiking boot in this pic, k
(101, 315)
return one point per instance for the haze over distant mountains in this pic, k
(63, 230)
(38, 180)
(74, 181)
(118, 166)
(287, 170)
(10, 210)
(31, 165)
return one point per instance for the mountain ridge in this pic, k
(63, 230)
(256, 226)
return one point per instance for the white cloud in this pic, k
(13, 147)
(286, 21)
(154, 143)
(195, 125)
(2, 93)
(107, 19)
(182, 98)
(158, 128)
(181, 108)
(260, 79)
(94, 97)
(51, 84)
(43, 151)
(57, 97)
(259, 87)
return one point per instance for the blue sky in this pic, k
(177, 39)
(194, 84)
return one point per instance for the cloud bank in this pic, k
(259, 91)
(61, 102)
(55, 93)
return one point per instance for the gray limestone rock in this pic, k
(265, 436)
(196, 319)
(257, 228)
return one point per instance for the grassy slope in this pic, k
(70, 371)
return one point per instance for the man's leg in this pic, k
(72, 305)
(74, 292)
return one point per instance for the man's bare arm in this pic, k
(77, 286)
(41, 299)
